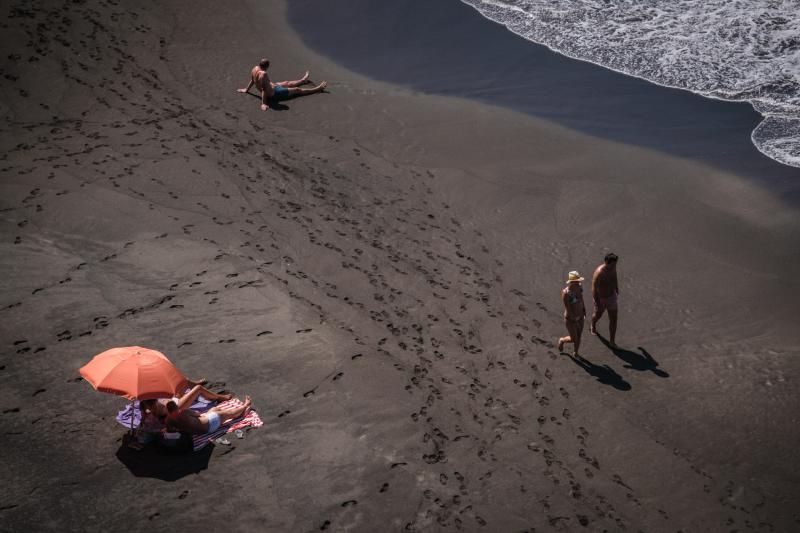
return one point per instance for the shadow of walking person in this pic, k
(636, 361)
(604, 374)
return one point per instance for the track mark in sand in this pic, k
(307, 330)
(325, 525)
(226, 341)
(265, 332)
(8, 507)
(395, 465)
(338, 376)
(39, 391)
(153, 516)
(356, 356)
(309, 393)
(284, 413)
(12, 410)
(186, 343)
(183, 495)
(384, 487)
(349, 503)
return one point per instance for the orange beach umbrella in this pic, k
(133, 372)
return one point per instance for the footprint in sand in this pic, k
(384, 487)
(338, 376)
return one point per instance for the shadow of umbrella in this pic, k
(642, 362)
(604, 374)
(159, 464)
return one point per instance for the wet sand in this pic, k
(379, 269)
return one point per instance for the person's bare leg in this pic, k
(561, 342)
(569, 338)
(188, 399)
(295, 83)
(297, 91)
(612, 326)
(596, 315)
(230, 413)
(576, 338)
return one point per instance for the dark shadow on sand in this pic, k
(636, 361)
(157, 463)
(604, 374)
(274, 105)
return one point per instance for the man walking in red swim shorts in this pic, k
(605, 293)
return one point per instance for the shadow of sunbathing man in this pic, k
(604, 374)
(636, 361)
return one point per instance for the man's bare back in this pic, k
(605, 292)
(261, 81)
(604, 282)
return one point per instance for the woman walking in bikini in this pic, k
(574, 312)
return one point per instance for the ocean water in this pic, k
(738, 50)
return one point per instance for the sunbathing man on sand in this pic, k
(188, 421)
(281, 90)
(605, 292)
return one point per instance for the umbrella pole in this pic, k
(133, 414)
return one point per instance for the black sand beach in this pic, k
(379, 269)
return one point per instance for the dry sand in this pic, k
(379, 270)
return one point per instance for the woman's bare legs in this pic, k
(198, 390)
(575, 330)
(295, 83)
(227, 414)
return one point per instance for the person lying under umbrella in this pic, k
(181, 418)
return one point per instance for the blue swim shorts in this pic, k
(281, 92)
(213, 421)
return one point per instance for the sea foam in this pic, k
(738, 50)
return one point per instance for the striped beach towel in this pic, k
(250, 420)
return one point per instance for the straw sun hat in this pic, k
(574, 276)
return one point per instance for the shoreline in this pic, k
(456, 51)
(379, 270)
